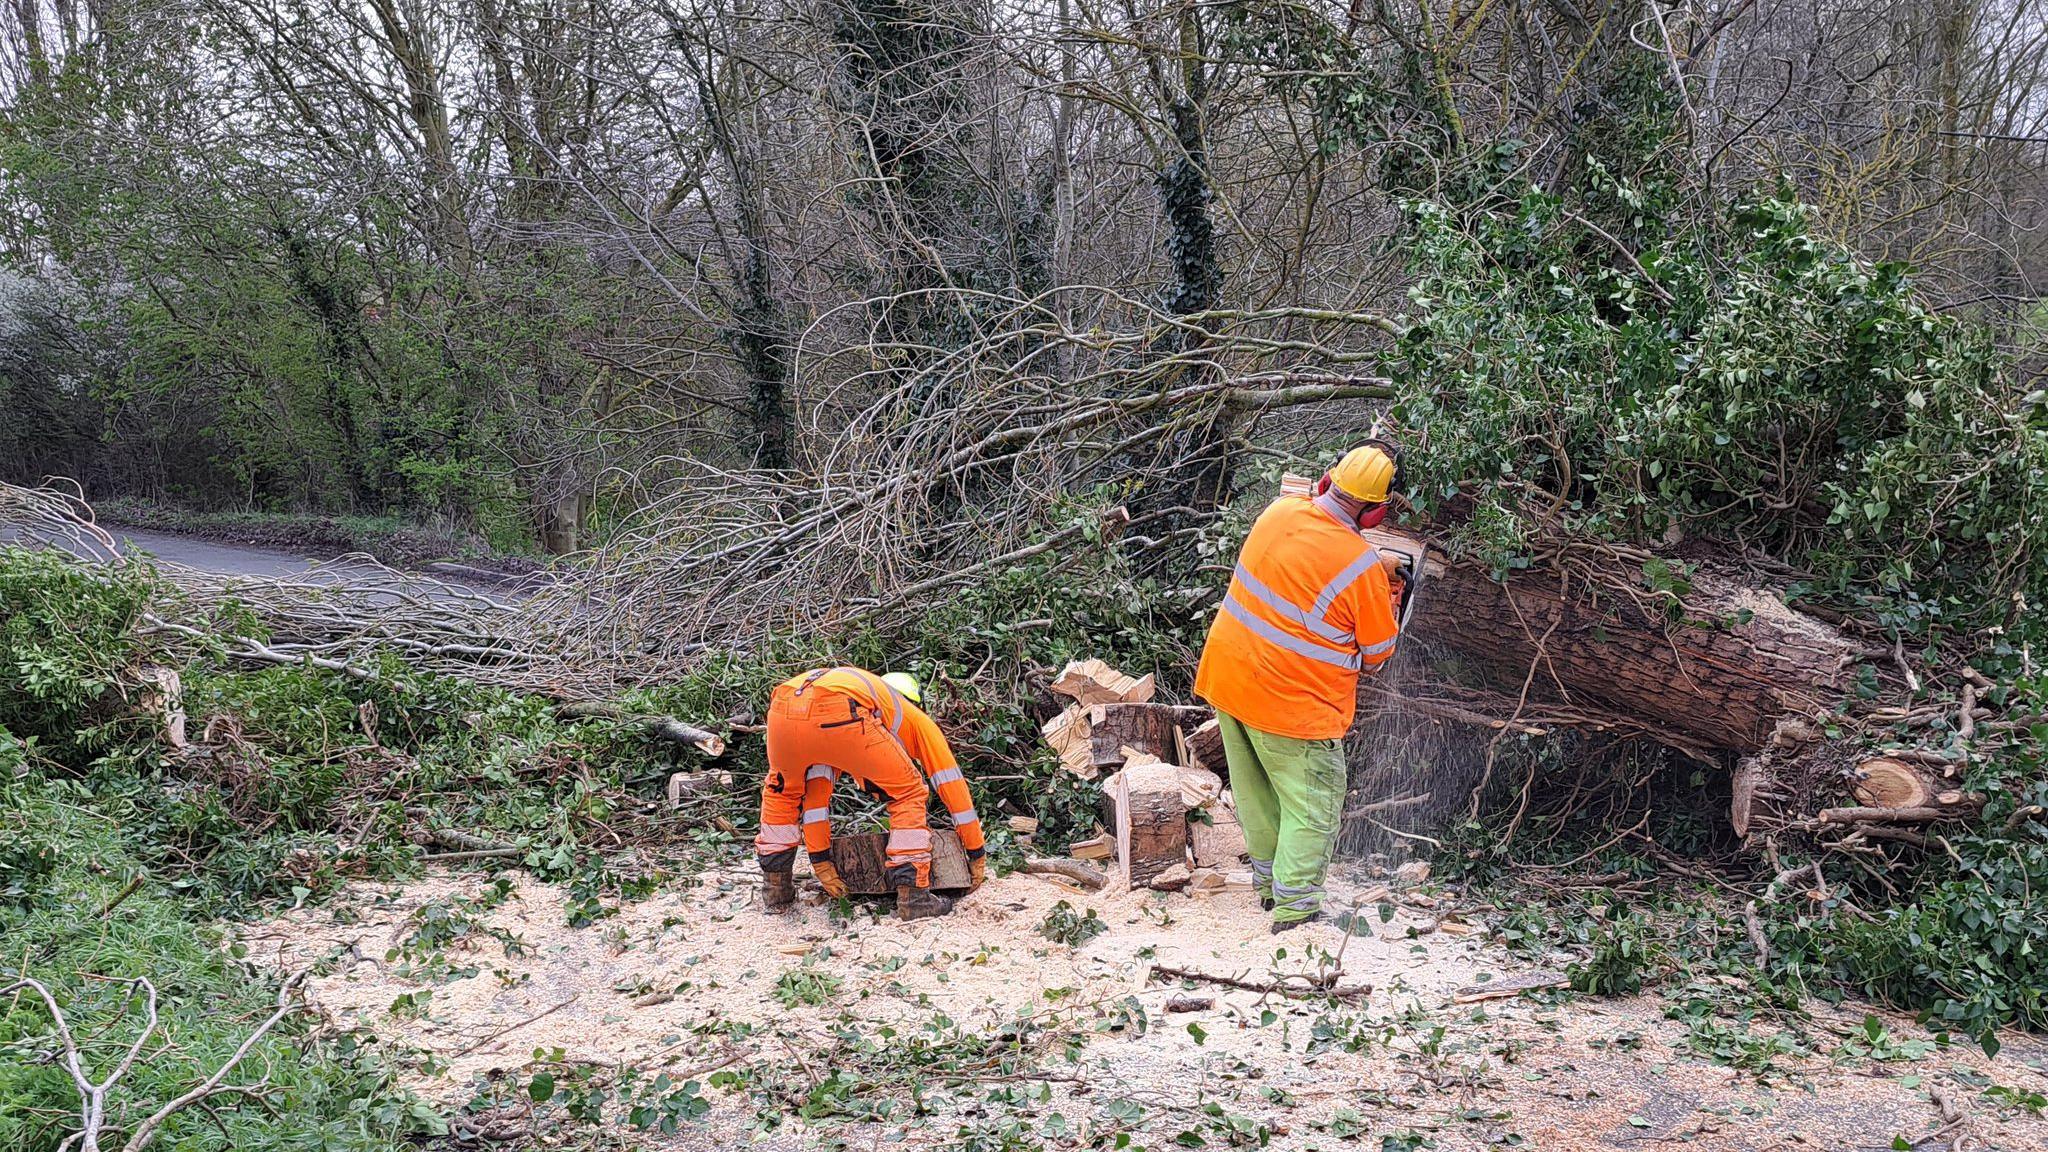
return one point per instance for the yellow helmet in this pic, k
(906, 685)
(1368, 472)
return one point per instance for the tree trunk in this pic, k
(863, 862)
(1707, 668)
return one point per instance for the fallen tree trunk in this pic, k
(1624, 642)
(1712, 667)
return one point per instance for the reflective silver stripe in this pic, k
(1295, 644)
(1297, 899)
(1273, 600)
(946, 776)
(777, 834)
(821, 772)
(817, 815)
(883, 691)
(1382, 646)
(1343, 580)
(962, 819)
(910, 839)
(1263, 867)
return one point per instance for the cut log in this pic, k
(1146, 728)
(1091, 682)
(1199, 787)
(863, 862)
(1151, 823)
(1895, 782)
(1086, 875)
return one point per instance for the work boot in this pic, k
(778, 891)
(920, 903)
(1265, 903)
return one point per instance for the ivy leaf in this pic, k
(542, 1088)
(1195, 1030)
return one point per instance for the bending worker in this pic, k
(1311, 603)
(844, 721)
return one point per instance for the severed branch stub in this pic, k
(665, 727)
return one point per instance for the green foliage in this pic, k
(1621, 954)
(1064, 925)
(1753, 379)
(66, 638)
(806, 985)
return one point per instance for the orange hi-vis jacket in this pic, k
(834, 721)
(1308, 607)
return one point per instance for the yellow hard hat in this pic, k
(1367, 473)
(906, 685)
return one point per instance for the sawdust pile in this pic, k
(646, 987)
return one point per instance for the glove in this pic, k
(977, 871)
(828, 879)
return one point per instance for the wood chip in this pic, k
(1093, 848)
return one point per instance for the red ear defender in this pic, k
(1371, 517)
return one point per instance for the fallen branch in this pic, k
(1317, 987)
(1086, 875)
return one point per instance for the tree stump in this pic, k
(863, 862)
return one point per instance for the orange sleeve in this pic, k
(1373, 609)
(928, 744)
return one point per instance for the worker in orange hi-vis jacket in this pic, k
(833, 722)
(1311, 605)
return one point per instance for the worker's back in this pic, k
(1308, 606)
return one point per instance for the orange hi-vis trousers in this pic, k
(816, 734)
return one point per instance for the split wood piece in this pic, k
(1201, 746)
(1181, 1002)
(1023, 825)
(1218, 842)
(1115, 728)
(1506, 989)
(1086, 875)
(863, 862)
(1173, 879)
(1067, 735)
(685, 787)
(1199, 787)
(1893, 782)
(665, 727)
(1150, 822)
(1094, 682)
(1093, 848)
(1209, 881)
(1302, 987)
(1293, 485)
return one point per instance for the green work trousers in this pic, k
(1290, 800)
